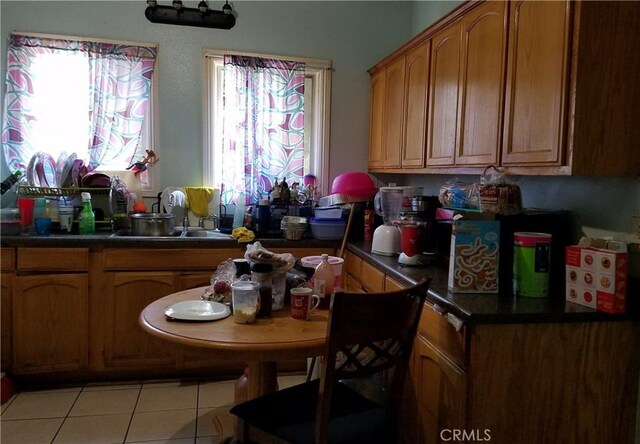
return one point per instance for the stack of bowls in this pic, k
(293, 227)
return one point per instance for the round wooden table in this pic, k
(261, 344)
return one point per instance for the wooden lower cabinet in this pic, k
(524, 383)
(126, 344)
(187, 281)
(50, 323)
(7, 275)
(440, 388)
(71, 314)
(515, 382)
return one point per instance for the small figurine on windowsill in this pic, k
(294, 192)
(149, 160)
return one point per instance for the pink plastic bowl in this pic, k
(355, 184)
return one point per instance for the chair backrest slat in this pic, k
(366, 334)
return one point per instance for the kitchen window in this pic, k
(265, 150)
(76, 95)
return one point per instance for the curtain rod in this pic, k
(88, 39)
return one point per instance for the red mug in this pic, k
(303, 302)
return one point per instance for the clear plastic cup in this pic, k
(245, 297)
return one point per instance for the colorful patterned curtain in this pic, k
(119, 86)
(263, 125)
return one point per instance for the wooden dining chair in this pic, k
(369, 337)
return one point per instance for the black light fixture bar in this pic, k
(174, 15)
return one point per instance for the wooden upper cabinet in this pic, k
(443, 96)
(394, 113)
(539, 87)
(484, 36)
(376, 123)
(417, 80)
(535, 105)
(604, 89)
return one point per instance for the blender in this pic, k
(412, 228)
(386, 238)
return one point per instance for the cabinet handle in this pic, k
(453, 319)
(438, 309)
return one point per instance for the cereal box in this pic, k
(473, 266)
(596, 274)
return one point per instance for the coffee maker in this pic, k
(424, 207)
(386, 238)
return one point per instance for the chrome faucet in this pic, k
(185, 223)
(212, 217)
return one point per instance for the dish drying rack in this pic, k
(56, 193)
(32, 191)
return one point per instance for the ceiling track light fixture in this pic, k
(202, 16)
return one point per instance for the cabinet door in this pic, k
(194, 280)
(126, 344)
(443, 96)
(535, 104)
(417, 80)
(376, 121)
(6, 322)
(390, 284)
(50, 323)
(352, 284)
(484, 37)
(371, 278)
(440, 390)
(394, 113)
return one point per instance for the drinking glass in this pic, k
(245, 297)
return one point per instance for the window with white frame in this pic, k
(311, 132)
(92, 98)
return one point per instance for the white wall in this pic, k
(354, 35)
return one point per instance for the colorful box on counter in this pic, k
(473, 265)
(597, 274)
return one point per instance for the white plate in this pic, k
(197, 311)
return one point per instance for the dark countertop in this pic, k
(472, 308)
(108, 240)
(485, 308)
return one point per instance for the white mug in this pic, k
(303, 302)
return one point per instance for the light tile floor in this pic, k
(178, 412)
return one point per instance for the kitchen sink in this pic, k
(179, 233)
(210, 234)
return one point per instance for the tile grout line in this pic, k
(126, 434)
(195, 435)
(66, 416)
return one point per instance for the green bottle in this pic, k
(87, 220)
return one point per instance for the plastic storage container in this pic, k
(10, 221)
(336, 264)
(327, 212)
(293, 227)
(327, 229)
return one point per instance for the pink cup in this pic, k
(303, 302)
(25, 208)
